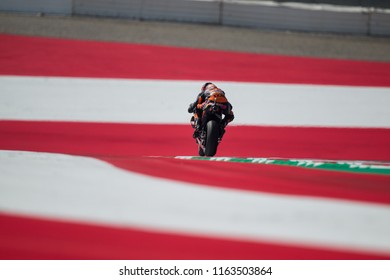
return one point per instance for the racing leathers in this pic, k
(210, 92)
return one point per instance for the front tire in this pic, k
(212, 138)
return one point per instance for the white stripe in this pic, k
(86, 189)
(158, 101)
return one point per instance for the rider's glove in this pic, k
(191, 108)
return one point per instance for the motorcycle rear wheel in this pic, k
(212, 138)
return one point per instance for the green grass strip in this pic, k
(346, 166)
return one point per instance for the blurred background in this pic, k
(363, 17)
(92, 186)
(340, 29)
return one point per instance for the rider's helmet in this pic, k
(210, 87)
(207, 86)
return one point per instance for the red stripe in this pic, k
(266, 178)
(34, 56)
(110, 139)
(48, 239)
(125, 144)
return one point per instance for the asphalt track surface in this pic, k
(199, 36)
(66, 191)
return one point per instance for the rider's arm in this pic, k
(229, 115)
(199, 98)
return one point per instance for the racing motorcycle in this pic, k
(212, 128)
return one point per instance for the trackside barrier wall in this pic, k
(206, 11)
(380, 23)
(37, 6)
(246, 13)
(295, 17)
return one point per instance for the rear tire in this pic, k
(212, 138)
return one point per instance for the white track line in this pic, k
(88, 190)
(161, 101)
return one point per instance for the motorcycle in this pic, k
(211, 129)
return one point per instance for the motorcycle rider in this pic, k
(210, 91)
